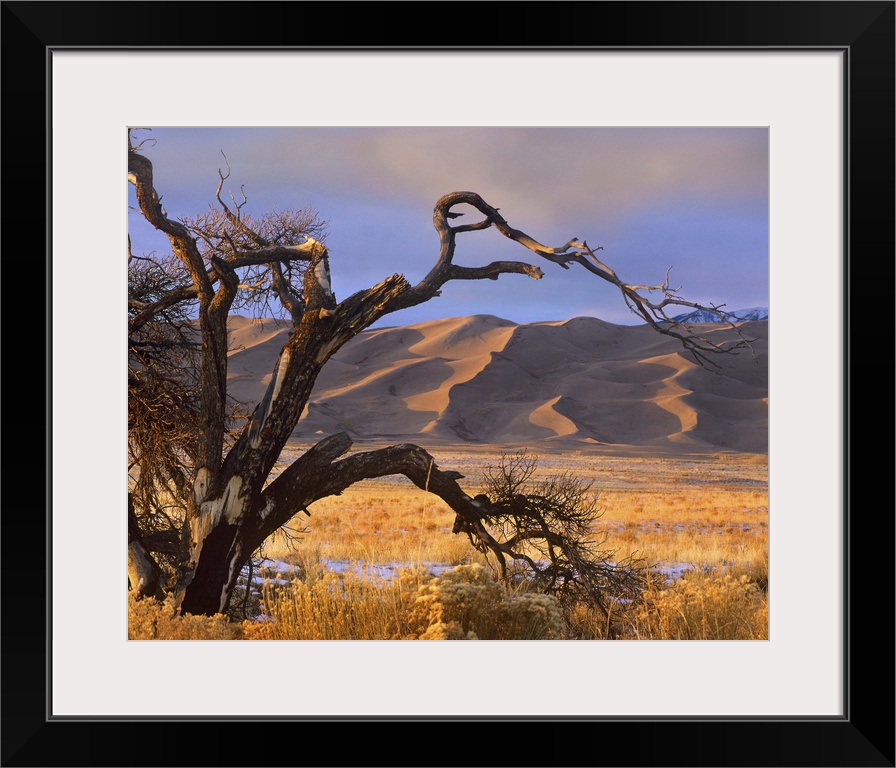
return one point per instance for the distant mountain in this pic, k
(483, 379)
(702, 316)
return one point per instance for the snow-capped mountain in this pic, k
(702, 316)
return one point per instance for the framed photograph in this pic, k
(817, 77)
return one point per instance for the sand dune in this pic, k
(482, 379)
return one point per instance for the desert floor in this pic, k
(612, 468)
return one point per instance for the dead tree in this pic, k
(222, 482)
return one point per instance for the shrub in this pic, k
(466, 603)
(549, 527)
(699, 607)
(150, 619)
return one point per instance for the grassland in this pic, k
(701, 519)
(366, 563)
(705, 511)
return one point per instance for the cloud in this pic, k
(695, 198)
(570, 169)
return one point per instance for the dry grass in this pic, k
(465, 603)
(701, 520)
(337, 606)
(705, 512)
(702, 606)
(374, 523)
(703, 528)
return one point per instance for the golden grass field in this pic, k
(704, 516)
(704, 510)
(702, 519)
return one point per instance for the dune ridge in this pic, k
(485, 380)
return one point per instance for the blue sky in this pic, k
(693, 199)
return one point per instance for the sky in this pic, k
(690, 200)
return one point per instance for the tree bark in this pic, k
(316, 475)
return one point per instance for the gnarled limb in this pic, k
(574, 251)
(494, 270)
(140, 174)
(319, 474)
(291, 301)
(214, 306)
(554, 521)
(654, 312)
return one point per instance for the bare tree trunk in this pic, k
(231, 509)
(316, 475)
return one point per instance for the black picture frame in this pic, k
(863, 736)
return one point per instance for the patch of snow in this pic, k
(385, 572)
